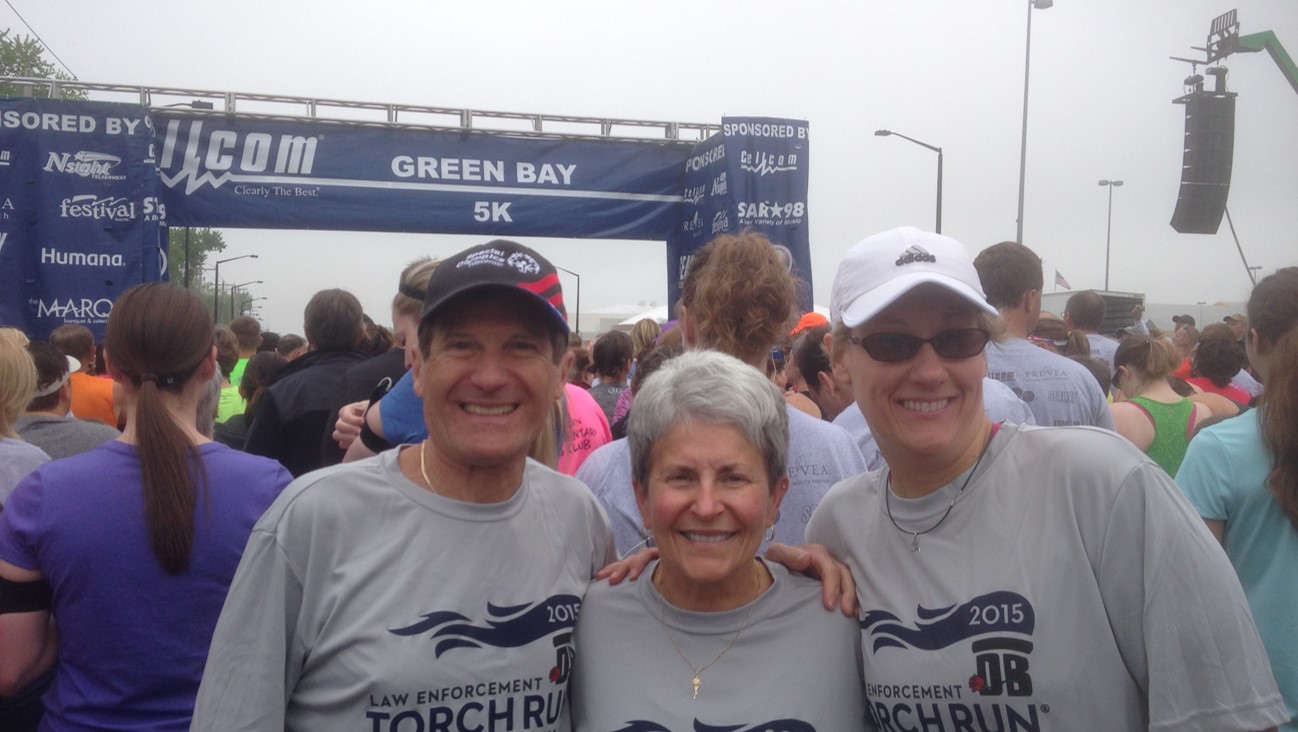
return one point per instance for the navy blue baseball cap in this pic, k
(499, 263)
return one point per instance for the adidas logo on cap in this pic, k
(915, 253)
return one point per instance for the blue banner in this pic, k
(753, 174)
(88, 188)
(223, 171)
(80, 218)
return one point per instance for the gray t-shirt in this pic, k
(17, 460)
(1071, 587)
(1000, 403)
(1103, 348)
(364, 601)
(820, 455)
(794, 665)
(1060, 392)
(64, 436)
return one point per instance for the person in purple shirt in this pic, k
(131, 547)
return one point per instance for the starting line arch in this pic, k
(88, 188)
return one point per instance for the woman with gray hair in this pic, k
(711, 631)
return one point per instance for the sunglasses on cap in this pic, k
(950, 344)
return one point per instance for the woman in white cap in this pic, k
(1016, 577)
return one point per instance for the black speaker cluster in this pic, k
(1206, 165)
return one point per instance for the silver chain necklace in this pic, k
(914, 535)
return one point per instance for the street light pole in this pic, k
(237, 287)
(1108, 237)
(577, 317)
(216, 301)
(934, 148)
(249, 305)
(1023, 139)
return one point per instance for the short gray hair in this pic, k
(711, 387)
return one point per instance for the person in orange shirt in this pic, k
(92, 397)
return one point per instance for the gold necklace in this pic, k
(424, 470)
(662, 618)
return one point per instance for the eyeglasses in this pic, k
(950, 344)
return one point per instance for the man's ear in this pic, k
(565, 365)
(1032, 301)
(417, 372)
(208, 366)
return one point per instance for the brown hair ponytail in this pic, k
(1273, 315)
(158, 335)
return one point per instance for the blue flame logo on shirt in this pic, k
(505, 627)
(994, 612)
(775, 725)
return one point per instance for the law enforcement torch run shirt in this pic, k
(366, 603)
(1071, 587)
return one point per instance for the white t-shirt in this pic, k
(364, 601)
(1071, 587)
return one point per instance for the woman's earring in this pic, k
(770, 533)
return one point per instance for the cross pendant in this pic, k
(914, 543)
(696, 686)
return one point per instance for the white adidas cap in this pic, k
(881, 268)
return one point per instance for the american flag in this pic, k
(1061, 282)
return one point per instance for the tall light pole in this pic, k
(1023, 140)
(187, 257)
(216, 302)
(934, 148)
(236, 287)
(249, 305)
(577, 317)
(1108, 237)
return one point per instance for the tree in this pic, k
(25, 56)
(202, 242)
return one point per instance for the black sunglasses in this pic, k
(950, 344)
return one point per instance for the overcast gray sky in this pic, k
(949, 72)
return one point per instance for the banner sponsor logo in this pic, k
(90, 206)
(719, 185)
(4, 236)
(50, 255)
(5, 158)
(720, 222)
(85, 164)
(694, 224)
(694, 194)
(153, 209)
(764, 163)
(772, 210)
(227, 153)
(74, 309)
(705, 158)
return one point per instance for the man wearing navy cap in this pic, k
(435, 586)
